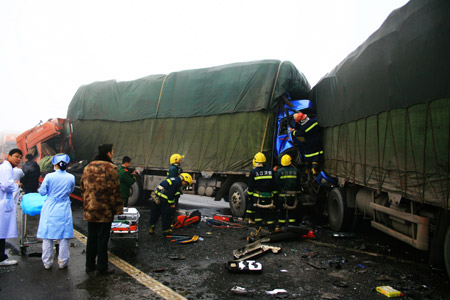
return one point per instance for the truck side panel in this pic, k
(403, 151)
(217, 143)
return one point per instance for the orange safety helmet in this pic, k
(299, 116)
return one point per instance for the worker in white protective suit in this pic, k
(56, 221)
(8, 223)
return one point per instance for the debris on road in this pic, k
(315, 266)
(159, 270)
(223, 224)
(342, 284)
(193, 239)
(330, 296)
(245, 266)
(240, 290)
(388, 291)
(253, 249)
(276, 292)
(343, 235)
(189, 218)
(227, 218)
(177, 257)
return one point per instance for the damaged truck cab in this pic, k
(46, 139)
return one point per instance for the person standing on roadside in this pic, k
(100, 188)
(55, 222)
(127, 179)
(8, 222)
(30, 182)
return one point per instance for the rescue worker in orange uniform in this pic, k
(262, 192)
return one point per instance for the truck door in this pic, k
(285, 120)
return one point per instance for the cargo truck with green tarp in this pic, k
(385, 110)
(217, 117)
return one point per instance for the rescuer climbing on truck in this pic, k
(310, 136)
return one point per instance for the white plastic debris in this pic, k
(276, 292)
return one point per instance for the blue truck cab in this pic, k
(285, 143)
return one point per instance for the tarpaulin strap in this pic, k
(160, 93)
(270, 104)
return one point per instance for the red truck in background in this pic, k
(8, 142)
(46, 139)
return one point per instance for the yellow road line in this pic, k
(151, 283)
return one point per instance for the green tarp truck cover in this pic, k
(406, 61)
(386, 107)
(217, 117)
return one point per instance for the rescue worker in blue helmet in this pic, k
(262, 191)
(310, 136)
(288, 184)
(164, 201)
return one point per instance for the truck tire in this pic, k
(237, 199)
(447, 251)
(136, 192)
(339, 216)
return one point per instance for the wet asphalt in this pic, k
(326, 267)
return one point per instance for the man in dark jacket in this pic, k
(100, 189)
(30, 181)
(127, 179)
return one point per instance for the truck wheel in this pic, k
(237, 199)
(447, 251)
(135, 193)
(339, 215)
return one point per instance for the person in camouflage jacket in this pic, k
(100, 189)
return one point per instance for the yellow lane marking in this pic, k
(151, 283)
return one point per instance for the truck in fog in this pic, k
(385, 110)
(218, 117)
